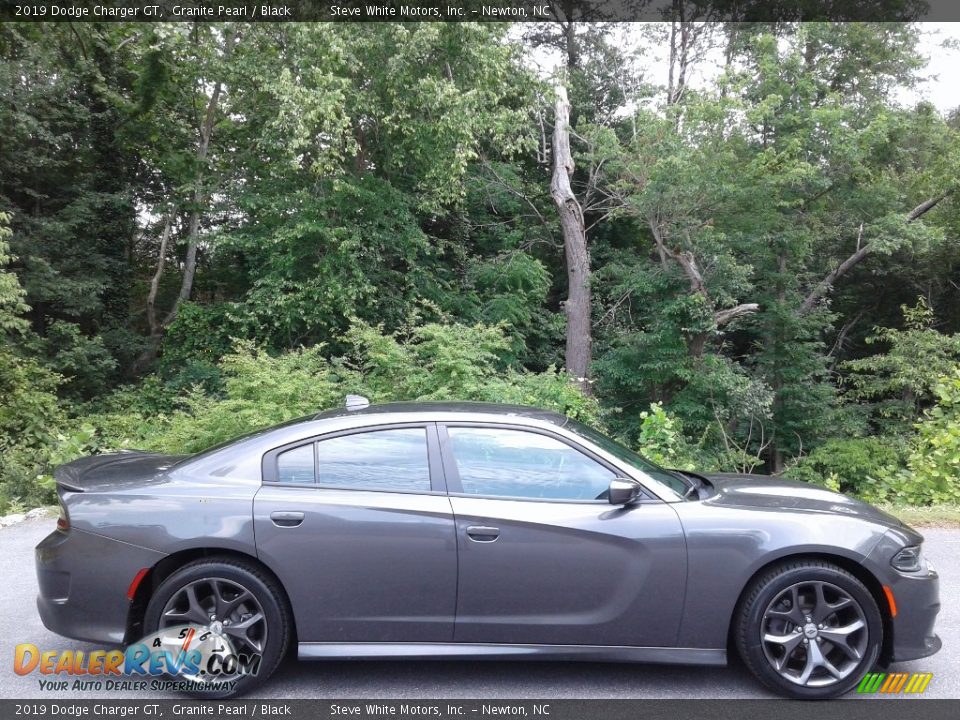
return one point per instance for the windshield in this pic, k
(673, 482)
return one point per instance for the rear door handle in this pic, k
(286, 518)
(480, 533)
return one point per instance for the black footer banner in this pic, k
(861, 709)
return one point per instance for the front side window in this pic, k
(388, 460)
(515, 463)
(667, 479)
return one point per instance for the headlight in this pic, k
(908, 560)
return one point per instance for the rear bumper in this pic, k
(83, 580)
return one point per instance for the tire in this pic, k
(257, 622)
(808, 629)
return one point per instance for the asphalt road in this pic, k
(20, 623)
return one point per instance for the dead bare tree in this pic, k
(579, 339)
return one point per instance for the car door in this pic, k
(543, 557)
(359, 530)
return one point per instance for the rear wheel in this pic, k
(809, 629)
(236, 600)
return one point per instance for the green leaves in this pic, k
(934, 463)
(901, 380)
(414, 104)
(12, 306)
(424, 362)
(381, 192)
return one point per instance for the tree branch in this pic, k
(684, 259)
(922, 209)
(724, 317)
(825, 285)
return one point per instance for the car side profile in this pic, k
(469, 530)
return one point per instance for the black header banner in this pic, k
(477, 10)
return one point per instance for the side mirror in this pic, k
(622, 491)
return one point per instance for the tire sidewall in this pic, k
(277, 627)
(750, 636)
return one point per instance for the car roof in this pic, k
(450, 408)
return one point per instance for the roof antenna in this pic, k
(357, 402)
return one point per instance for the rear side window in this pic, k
(296, 466)
(391, 460)
(379, 460)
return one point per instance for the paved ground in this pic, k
(407, 680)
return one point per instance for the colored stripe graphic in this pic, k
(871, 682)
(893, 683)
(920, 682)
(898, 685)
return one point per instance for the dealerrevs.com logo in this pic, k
(186, 658)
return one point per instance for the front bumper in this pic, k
(918, 603)
(916, 596)
(83, 579)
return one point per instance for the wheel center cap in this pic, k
(217, 627)
(810, 631)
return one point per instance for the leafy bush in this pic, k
(922, 470)
(662, 440)
(85, 364)
(11, 294)
(201, 335)
(862, 466)
(258, 390)
(29, 419)
(899, 382)
(934, 463)
(430, 362)
(454, 362)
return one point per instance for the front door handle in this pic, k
(286, 518)
(479, 533)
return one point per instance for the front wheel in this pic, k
(235, 600)
(809, 629)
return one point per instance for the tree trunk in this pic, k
(155, 326)
(775, 456)
(578, 306)
(198, 199)
(679, 60)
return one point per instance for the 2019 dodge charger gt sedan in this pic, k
(465, 530)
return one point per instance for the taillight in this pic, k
(63, 522)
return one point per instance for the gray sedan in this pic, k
(466, 530)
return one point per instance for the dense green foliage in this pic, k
(207, 228)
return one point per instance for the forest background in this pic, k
(732, 246)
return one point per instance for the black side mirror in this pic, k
(622, 491)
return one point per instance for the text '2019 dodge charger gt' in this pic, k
(464, 530)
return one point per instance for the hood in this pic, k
(765, 491)
(114, 471)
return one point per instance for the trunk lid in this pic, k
(114, 471)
